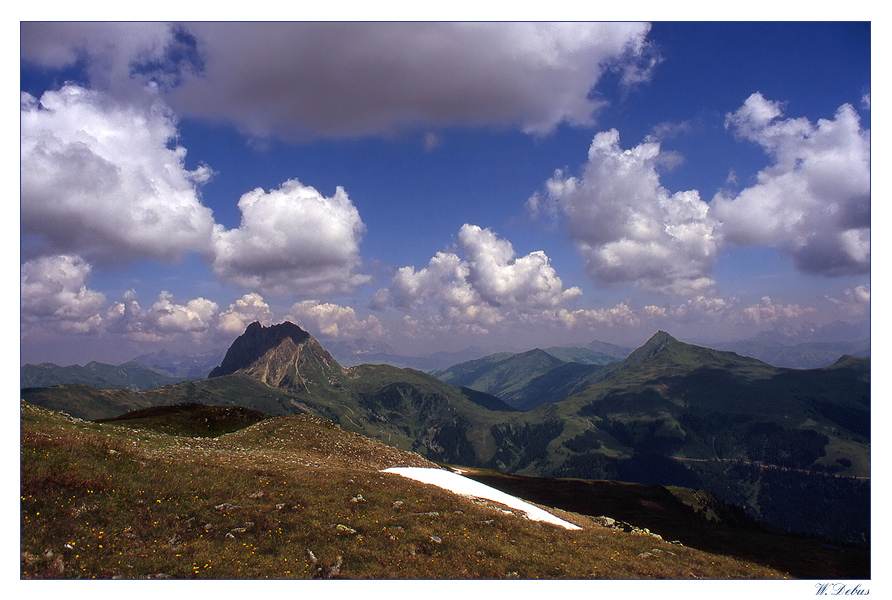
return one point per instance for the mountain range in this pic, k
(129, 375)
(669, 413)
(805, 355)
(530, 379)
(181, 365)
(363, 352)
(803, 333)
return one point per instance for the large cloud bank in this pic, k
(348, 79)
(105, 180)
(56, 297)
(813, 200)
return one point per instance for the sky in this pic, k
(432, 186)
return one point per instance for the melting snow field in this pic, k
(468, 487)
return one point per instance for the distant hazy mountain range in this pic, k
(361, 352)
(807, 355)
(129, 375)
(181, 365)
(838, 331)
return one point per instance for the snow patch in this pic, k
(468, 487)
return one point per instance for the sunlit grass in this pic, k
(290, 498)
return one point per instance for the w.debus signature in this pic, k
(840, 589)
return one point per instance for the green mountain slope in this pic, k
(529, 379)
(558, 383)
(129, 375)
(585, 356)
(758, 436)
(282, 370)
(502, 375)
(677, 399)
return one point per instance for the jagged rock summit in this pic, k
(283, 356)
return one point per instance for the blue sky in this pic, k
(440, 185)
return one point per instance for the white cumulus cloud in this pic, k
(106, 180)
(855, 301)
(244, 311)
(629, 228)
(621, 315)
(503, 279)
(195, 316)
(479, 284)
(54, 294)
(767, 312)
(164, 319)
(292, 240)
(334, 321)
(813, 200)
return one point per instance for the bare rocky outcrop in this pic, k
(283, 356)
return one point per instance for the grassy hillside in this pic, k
(292, 497)
(502, 375)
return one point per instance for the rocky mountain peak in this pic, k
(255, 343)
(283, 356)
